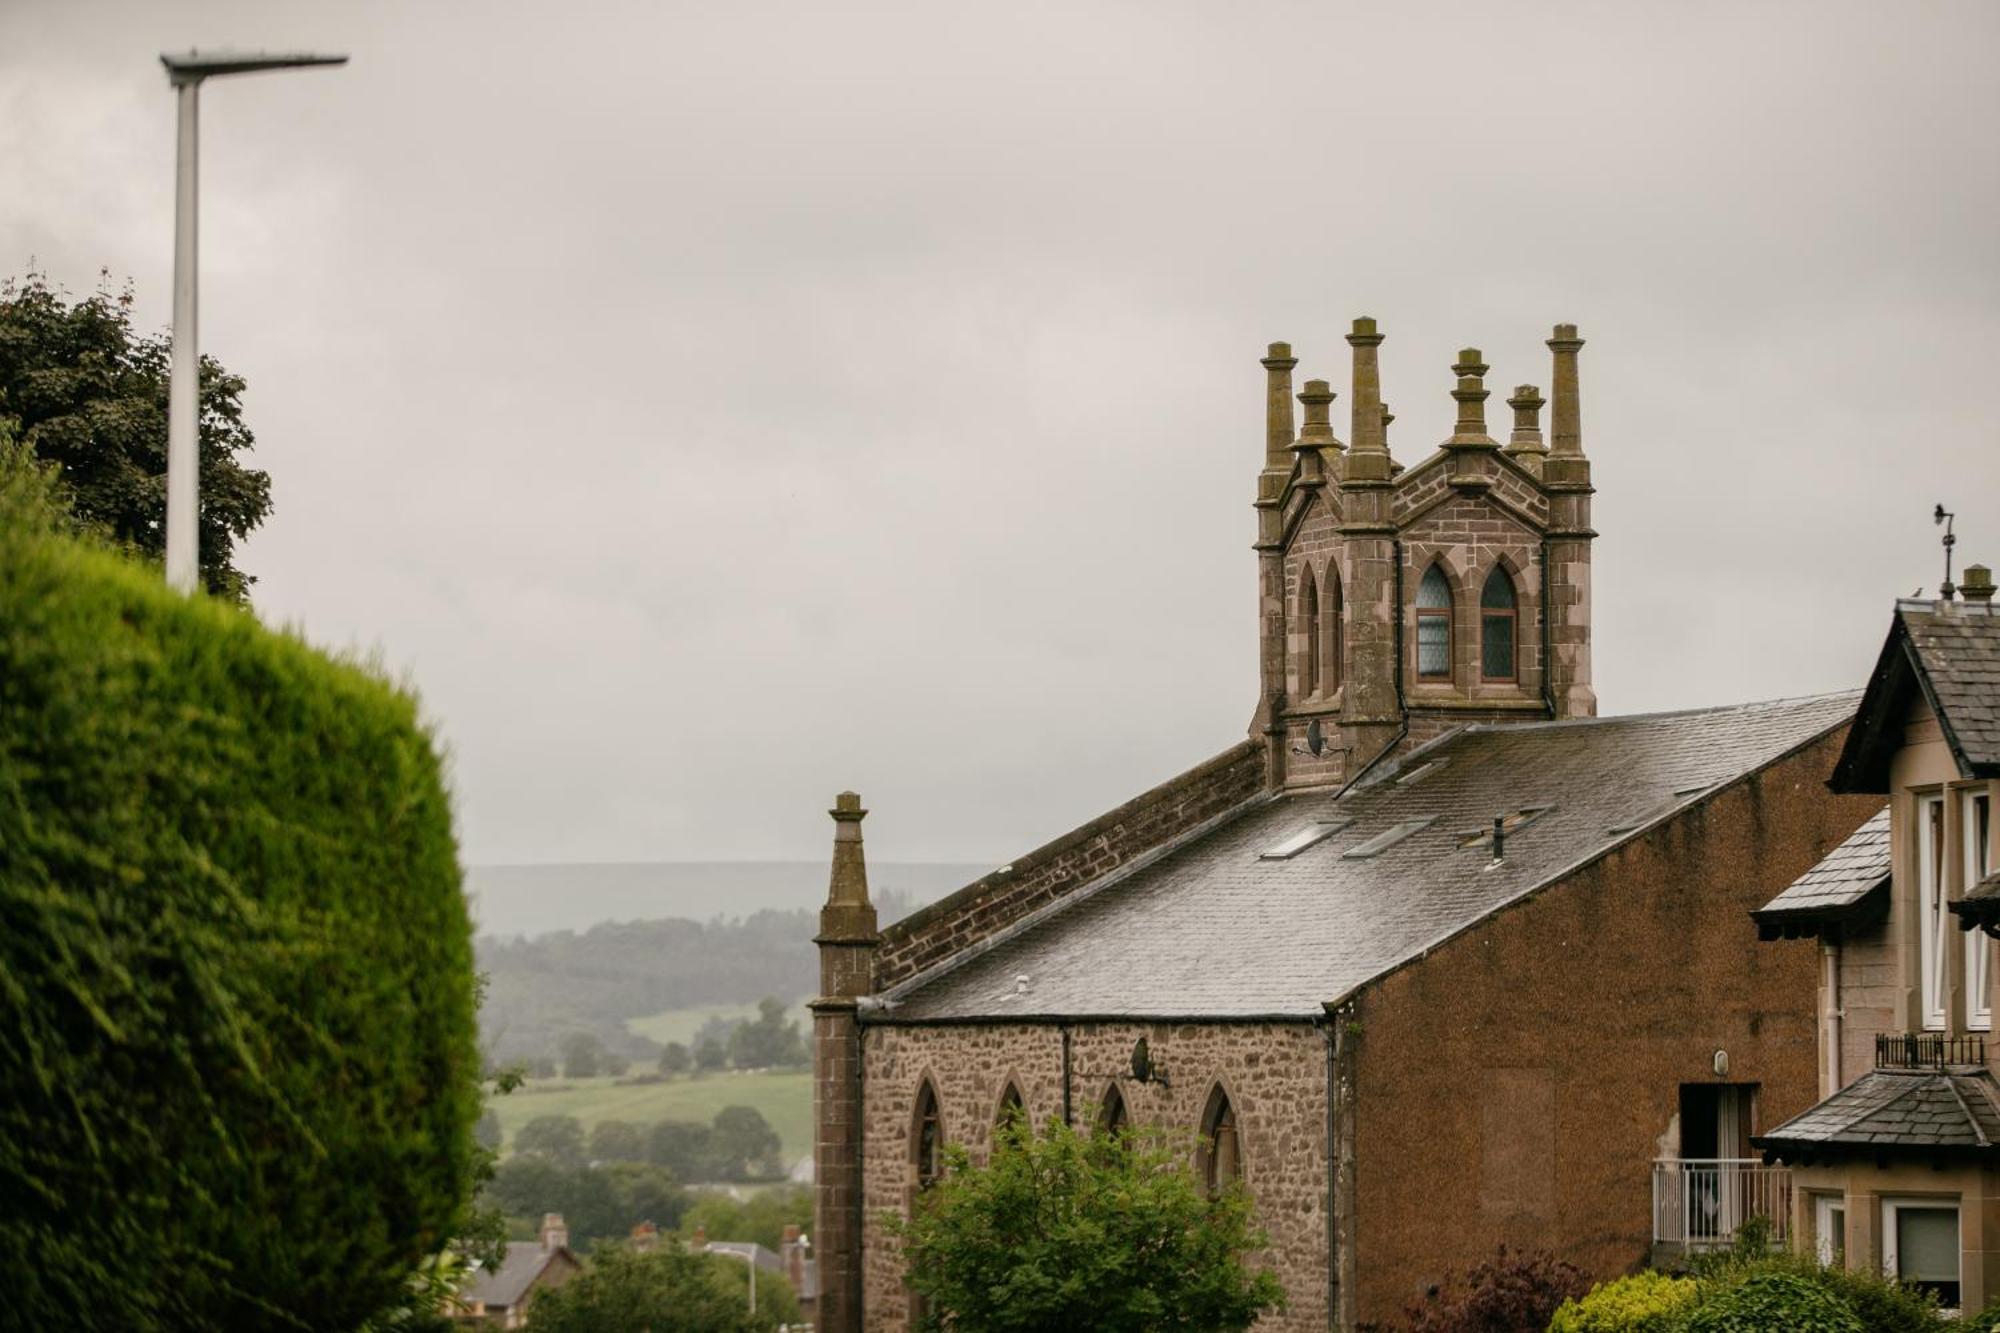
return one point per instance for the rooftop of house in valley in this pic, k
(1294, 899)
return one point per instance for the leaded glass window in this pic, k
(1309, 631)
(1224, 1162)
(929, 1143)
(1434, 626)
(1497, 616)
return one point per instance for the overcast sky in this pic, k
(711, 406)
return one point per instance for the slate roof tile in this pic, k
(1924, 1109)
(1212, 930)
(1959, 650)
(1845, 876)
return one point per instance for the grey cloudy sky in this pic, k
(711, 406)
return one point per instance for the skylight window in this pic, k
(1649, 815)
(1519, 819)
(1304, 838)
(1387, 838)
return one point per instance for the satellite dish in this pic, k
(1315, 738)
(1142, 1062)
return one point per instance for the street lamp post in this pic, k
(185, 73)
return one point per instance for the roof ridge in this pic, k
(1546, 724)
(1951, 1081)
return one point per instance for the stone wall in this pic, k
(994, 902)
(1516, 1084)
(1274, 1074)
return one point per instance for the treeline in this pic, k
(620, 1174)
(545, 989)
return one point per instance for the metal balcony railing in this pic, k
(1698, 1204)
(1927, 1050)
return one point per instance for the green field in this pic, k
(784, 1098)
(681, 1024)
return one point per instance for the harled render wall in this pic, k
(1275, 1075)
(1515, 1085)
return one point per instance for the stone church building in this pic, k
(1435, 959)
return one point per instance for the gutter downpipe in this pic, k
(1833, 1016)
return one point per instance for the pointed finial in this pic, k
(1368, 456)
(849, 886)
(1525, 444)
(1471, 395)
(1278, 362)
(1317, 432)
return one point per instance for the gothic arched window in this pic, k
(1498, 647)
(1308, 631)
(1434, 626)
(1111, 1116)
(1012, 1109)
(1222, 1158)
(1336, 612)
(927, 1140)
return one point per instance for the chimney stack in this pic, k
(645, 1238)
(1978, 585)
(554, 1234)
(1566, 462)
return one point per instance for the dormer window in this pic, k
(1434, 626)
(1497, 640)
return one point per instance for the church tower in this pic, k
(1397, 602)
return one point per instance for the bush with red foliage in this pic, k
(1509, 1293)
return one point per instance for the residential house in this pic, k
(1435, 960)
(502, 1297)
(1898, 1166)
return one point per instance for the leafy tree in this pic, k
(1106, 1232)
(617, 1065)
(768, 1041)
(582, 1055)
(559, 1138)
(598, 1203)
(675, 1058)
(668, 1290)
(90, 395)
(488, 1131)
(617, 1141)
(683, 1148)
(709, 1056)
(762, 1217)
(744, 1146)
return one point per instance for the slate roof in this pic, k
(1949, 653)
(1211, 930)
(1892, 1111)
(505, 1286)
(1851, 883)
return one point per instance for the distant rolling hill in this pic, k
(539, 899)
(589, 948)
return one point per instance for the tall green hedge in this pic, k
(237, 1054)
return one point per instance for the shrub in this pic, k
(668, 1290)
(1772, 1300)
(1083, 1231)
(1509, 1293)
(1986, 1321)
(238, 1071)
(1642, 1303)
(1883, 1304)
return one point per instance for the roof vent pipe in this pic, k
(1499, 837)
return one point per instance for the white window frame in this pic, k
(1932, 918)
(1978, 949)
(1824, 1207)
(1892, 1206)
